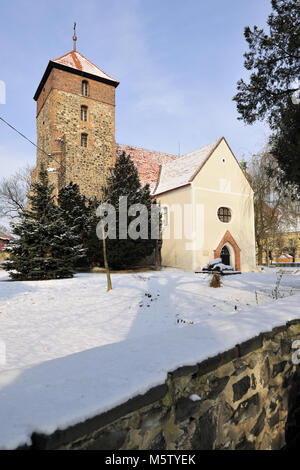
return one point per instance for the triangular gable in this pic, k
(183, 170)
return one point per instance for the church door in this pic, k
(225, 256)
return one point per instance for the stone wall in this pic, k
(59, 129)
(245, 393)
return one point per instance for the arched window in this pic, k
(84, 113)
(224, 214)
(84, 138)
(84, 88)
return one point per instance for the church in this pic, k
(205, 198)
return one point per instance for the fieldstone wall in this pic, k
(59, 129)
(244, 398)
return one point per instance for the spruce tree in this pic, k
(124, 181)
(79, 213)
(45, 247)
(94, 246)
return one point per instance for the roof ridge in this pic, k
(204, 146)
(215, 143)
(76, 61)
(148, 150)
(185, 170)
(79, 65)
(95, 65)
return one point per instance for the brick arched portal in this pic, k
(228, 238)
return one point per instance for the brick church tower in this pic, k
(76, 123)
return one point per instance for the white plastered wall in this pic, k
(220, 183)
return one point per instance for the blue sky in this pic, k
(177, 62)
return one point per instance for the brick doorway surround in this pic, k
(228, 238)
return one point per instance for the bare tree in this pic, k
(274, 205)
(13, 193)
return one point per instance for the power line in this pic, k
(24, 136)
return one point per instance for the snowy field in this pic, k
(73, 350)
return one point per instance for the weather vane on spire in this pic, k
(74, 38)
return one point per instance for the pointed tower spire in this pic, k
(74, 38)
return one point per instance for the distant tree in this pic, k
(274, 62)
(14, 192)
(124, 181)
(273, 203)
(45, 247)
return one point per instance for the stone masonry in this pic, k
(245, 398)
(59, 129)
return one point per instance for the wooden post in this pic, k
(109, 285)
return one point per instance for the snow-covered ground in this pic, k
(74, 350)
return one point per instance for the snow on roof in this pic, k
(181, 171)
(285, 256)
(147, 162)
(6, 237)
(77, 61)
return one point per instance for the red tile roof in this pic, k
(148, 162)
(6, 237)
(165, 172)
(77, 61)
(80, 65)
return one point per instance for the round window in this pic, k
(224, 214)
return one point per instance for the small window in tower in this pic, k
(84, 138)
(84, 88)
(84, 113)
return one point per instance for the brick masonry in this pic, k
(228, 238)
(59, 129)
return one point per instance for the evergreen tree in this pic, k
(274, 62)
(271, 93)
(79, 213)
(285, 144)
(45, 247)
(124, 181)
(94, 246)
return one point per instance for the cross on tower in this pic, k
(74, 38)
